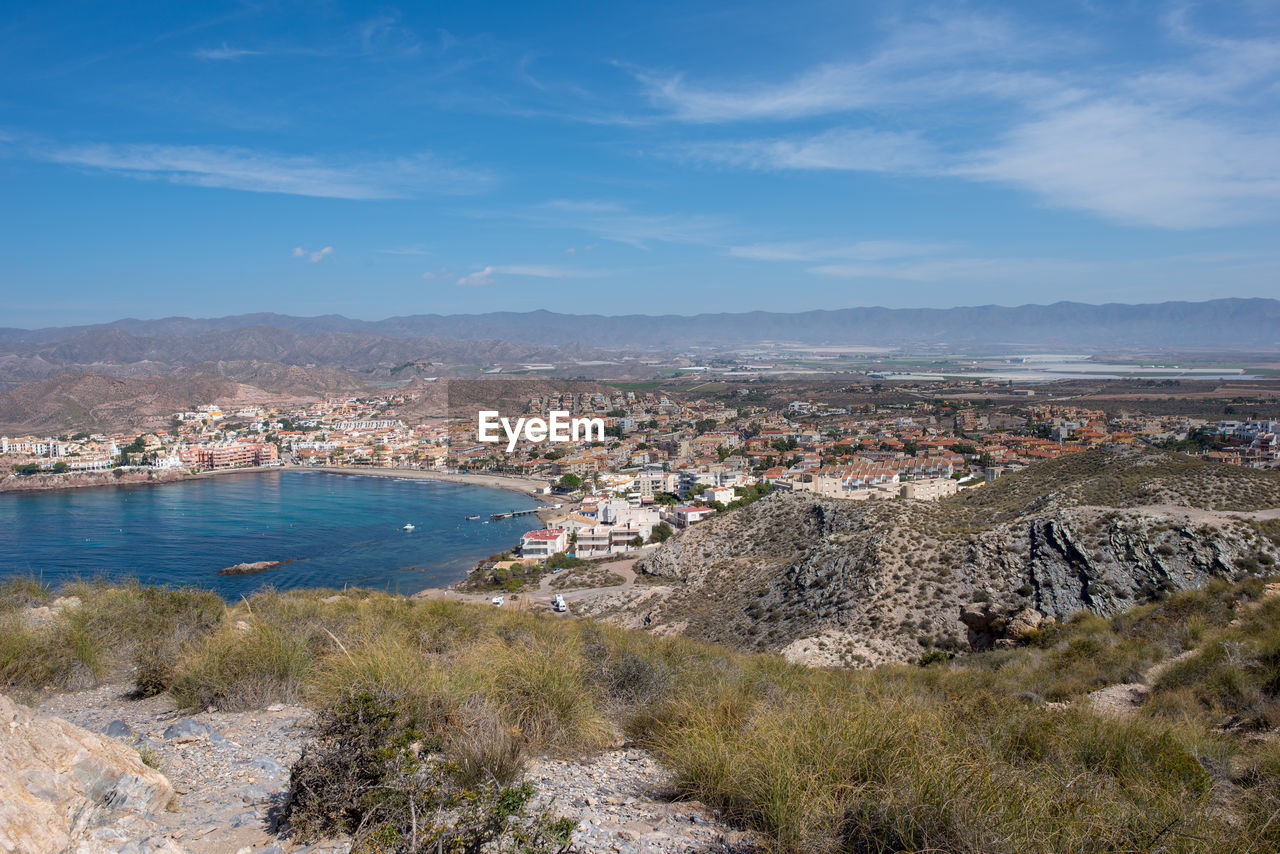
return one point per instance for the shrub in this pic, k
(244, 667)
(365, 775)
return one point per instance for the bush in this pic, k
(244, 667)
(366, 775)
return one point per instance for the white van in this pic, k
(498, 600)
(558, 604)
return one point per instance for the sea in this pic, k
(329, 530)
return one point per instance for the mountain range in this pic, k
(1231, 324)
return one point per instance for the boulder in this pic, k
(1023, 624)
(63, 787)
(992, 627)
(187, 729)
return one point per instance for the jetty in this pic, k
(513, 513)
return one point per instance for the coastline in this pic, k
(83, 480)
(511, 483)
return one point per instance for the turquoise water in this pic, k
(334, 529)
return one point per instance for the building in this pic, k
(689, 515)
(545, 543)
(929, 488)
(225, 455)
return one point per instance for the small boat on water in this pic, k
(473, 517)
(408, 526)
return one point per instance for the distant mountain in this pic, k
(88, 401)
(1220, 324)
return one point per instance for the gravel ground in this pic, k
(231, 775)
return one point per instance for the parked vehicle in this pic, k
(559, 604)
(498, 600)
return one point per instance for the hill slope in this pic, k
(840, 582)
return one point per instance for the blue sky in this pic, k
(372, 160)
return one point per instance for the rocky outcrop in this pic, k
(250, 568)
(991, 627)
(62, 788)
(827, 580)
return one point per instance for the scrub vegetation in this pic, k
(427, 711)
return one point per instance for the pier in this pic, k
(513, 513)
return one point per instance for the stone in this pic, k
(187, 729)
(119, 729)
(267, 765)
(64, 783)
(1023, 624)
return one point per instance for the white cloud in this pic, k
(1137, 164)
(616, 222)
(816, 250)
(1188, 142)
(240, 169)
(843, 148)
(480, 277)
(434, 274)
(225, 52)
(1024, 270)
(312, 257)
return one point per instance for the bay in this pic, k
(334, 530)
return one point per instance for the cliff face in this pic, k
(832, 581)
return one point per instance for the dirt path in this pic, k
(230, 772)
(1126, 698)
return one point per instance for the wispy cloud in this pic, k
(487, 275)
(817, 250)
(856, 149)
(405, 250)
(1137, 164)
(959, 269)
(432, 275)
(241, 169)
(1188, 144)
(313, 257)
(619, 223)
(478, 278)
(225, 52)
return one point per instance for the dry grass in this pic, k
(952, 757)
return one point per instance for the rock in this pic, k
(250, 568)
(992, 627)
(267, 765)
(65, 788)
(256, 794)
(119, 729)
(187, 729)
(245, 819)
(1024, 624)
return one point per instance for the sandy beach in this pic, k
(526, 485)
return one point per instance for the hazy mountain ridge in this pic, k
(1219, 323)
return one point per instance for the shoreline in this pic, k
(510, 483)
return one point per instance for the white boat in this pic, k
(408, 526)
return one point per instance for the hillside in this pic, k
(364, 722)
(86, 401)
(829, 581)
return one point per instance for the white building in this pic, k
(545, 543)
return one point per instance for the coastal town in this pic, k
(661, 462)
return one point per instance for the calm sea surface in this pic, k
(335, 529)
